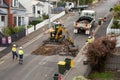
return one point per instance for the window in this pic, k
(2, 18)
(19, 21)
(33, 8)
(1, 2)
(70, 4)
(15, 21)
(14, 3)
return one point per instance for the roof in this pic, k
(4, 5)
(20, 7)
(40, 4)
(2, 12)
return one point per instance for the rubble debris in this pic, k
(53, 49)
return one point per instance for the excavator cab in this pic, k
(57, 33)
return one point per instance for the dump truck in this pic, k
(85, 21)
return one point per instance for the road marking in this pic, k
(42, 63)
(1, 61)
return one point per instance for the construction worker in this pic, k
(14, 52)
(90, 39)
(20, 53)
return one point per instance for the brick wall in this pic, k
(10, 16)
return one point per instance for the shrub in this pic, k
(6, 31)
(80, 78)
(45, 16)
(61, 4)
(102, 76)
(29, 26)
(21, 28)
(99, 50)
(35, 22)
(116, 11)
(115, 25)
(115, 22)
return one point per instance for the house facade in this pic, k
(35, 8)
(16, 13)
(3, 14)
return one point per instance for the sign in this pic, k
(9, 40)
(3, 40)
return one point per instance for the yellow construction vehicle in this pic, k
(60, 35)
(56, 35)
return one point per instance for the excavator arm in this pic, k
(69, 39)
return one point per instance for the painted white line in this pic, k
(1, 62)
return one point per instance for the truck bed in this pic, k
(83, 18)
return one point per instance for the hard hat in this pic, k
(89, 37)
(20, 48)
(14, 45)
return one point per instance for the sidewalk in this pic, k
(80, 68)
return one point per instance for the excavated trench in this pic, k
(48, 49)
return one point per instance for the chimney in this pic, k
(10, 16)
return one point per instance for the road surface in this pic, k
(44, 67)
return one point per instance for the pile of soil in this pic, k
(50, 49)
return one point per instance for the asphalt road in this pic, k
(44, 67)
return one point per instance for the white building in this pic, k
(3, 14)
(35, 8)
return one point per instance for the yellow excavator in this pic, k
(56, 34)
(59, 34)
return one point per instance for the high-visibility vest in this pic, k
(14, 49)
(20, 52)
(90, 40)
(57, 26)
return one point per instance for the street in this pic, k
(38, 67)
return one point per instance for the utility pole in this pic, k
(48, 13)
(77, 3)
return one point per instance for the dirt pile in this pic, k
(50, 49)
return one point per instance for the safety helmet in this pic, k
(20, 48)
(89, 37)
(14, 45)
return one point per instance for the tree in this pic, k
(116, 11)
(85, 1)
(99, 50)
